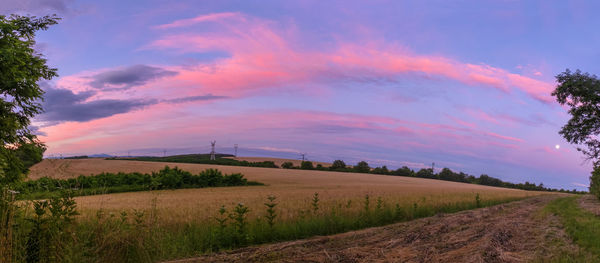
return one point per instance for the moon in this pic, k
(557, 146)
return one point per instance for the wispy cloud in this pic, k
(199, 19)
(264, 57)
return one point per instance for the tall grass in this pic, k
(46, 231)
(122, 237)
(7, 210)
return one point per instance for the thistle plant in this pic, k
(271, 213)
(315, 203)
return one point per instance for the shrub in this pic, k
(338, 165)
(167, 178)
(287, 165)
(307, 165)
(595, 182)
(362, 167)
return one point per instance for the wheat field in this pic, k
(294, 190)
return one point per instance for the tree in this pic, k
(306, 165)
(581, 92)
(338, 165)
(362, 167)
(447, 174)
(426, 173)
(595, 182)
(287, 165)
(404, 171)
(21, 68)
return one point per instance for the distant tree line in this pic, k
(76, 157)
(361, 167)
(445, 174)
(201, 159)
(167, 178)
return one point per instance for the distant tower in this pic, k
(165, 153)
(212, 152)
(433, 167)
(303, 155)
(235, 147)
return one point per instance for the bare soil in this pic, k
(512, 232)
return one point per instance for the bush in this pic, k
(104, 183)
(362, 167)
(338, 165)
(306, 165)
(287, 165)
(595, 182)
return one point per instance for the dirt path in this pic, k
(513, 232)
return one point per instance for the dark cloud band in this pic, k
(63, 105)
(128, 77)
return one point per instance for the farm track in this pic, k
(512, 232)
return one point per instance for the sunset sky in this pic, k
(464, 84)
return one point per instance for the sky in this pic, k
(462, 84)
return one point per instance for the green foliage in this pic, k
(8, 208)
(307, 165)
(271, 213)
(581, 225)
(287, 165)
(477, 200)
(581, 93)
(404, 171)
(51, 229)
(240, 223)
(202, 159)
(118, 237)
(362, 167)
(167, 178)
(595, 182)
(338, 165)
(315, 203)
(426, 173)
(21, 69)
(366, 204)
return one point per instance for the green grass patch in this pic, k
(581, 225)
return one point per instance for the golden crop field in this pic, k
(293, 189)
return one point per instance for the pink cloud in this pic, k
(264, 57)
(503, 137)
(199, 19)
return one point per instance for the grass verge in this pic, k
(581, 225)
